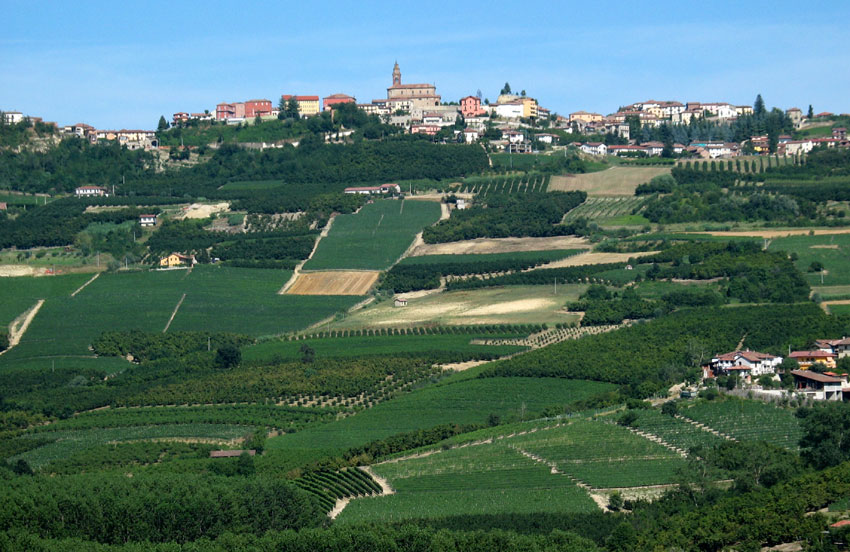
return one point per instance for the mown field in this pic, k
(379, 345)
(616, 181)
(216, 299)
(467, 401)
(375, 237)
(496, 305)
(469, 481)
(20, 293)
(833, 251)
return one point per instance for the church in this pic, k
(410, 96)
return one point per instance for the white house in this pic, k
(720, 110)
(147, 220)
(839, 347)
(594, 148)
(512, 110)
(12, 117)
(89, 191)
(471, 135)
(382, 189)
(546, 138)
(753, 362)
(796, 147)
(513, 136)
(461, 204)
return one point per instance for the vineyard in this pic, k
(745, 164)
(328, 486)
(749, 420)
(69, 442)
(603, 208)
(473, 480)
(511, 184)
(675, 431)
(551, 336)
(602, 455)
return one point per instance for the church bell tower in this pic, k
(396, 75)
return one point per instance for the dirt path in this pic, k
(92, 279)
(386, 489)
(173, 314)
(19, 325)
(826, 304)
(298, 267)
(461, 366)
(340, 505)
(444, 211)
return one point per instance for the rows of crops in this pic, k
(602, 454)
(488, 479)
(511, 184)
(747, 165)
(597, 208)
(67, 443)
(271, 416)
(374, 237)
(329, 486)
(675, 431)
(751, 420)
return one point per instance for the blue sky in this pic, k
(122, 64)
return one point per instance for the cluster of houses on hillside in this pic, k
(815, 378)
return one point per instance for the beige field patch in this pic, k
(616, 181)
(500, 245)
(510, 307)
(834, 246)
(334, 282)
(202, 210)
(596, 258)
(18, 270)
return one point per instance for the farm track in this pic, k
(82, 287)
(298, 267)
(19, 325)
(173, 314)
(341, 503)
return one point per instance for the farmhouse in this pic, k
(816, 386)
(806, 359)
(89, 191)
(147, 220)
(400, 302)
(177, 259)
(382, 189)
(594, 148)
(839, 347)
(751, 362)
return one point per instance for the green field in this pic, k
(674, 431)
(603, 455)
(839, 309)
(22, 199)
(356, 346)
(20, 293)
(374, 237)
(832, 250)
(487, 479)
(609, 210)
(70, 442)
(217, 299)
(751, 420)
(464, 402)
(253, 185)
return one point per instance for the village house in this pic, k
(471, 135)
(594, 148)
(806, 359)
(839, 347)
(430, 130)
(470, 106)
(839, 133)
(177, 259)
(12, 117)
(335, 99)
(461, 204)
(179, 118)
(382, 189)
(546, 138)
(513, 136)
(147, 220)
(3, 206)
(630, 150)
(511, 110)
(90, 191)
(585, 117)
(400, 302)
(796, 116)
(307, 105)
(820, 387)
(746, 363)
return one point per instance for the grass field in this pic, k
(496, 305)
(375, 237)
(616, 181)
(378, 345)
(70, 442)
(833, 251)
(22, 199)
(217, 299)
(334, 282)
(839, 309)
(462, 401)
(19, 294)
(469, 481)
(753, 420)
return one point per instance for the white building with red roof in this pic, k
(745, 362)
(382, 189)
(90, 191)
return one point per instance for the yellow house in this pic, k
(529, 107)
(176, 259)
(807, 358)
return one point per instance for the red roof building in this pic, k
(336, 99)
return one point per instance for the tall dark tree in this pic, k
(163, 124)
(758, 108)
(811, 112)
(506, 89)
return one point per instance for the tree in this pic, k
(163, 124)
(826, 434)
(506, 89)
(307, 354)
(228, 356)
(522, 93)
(615, 501)
(811, 113)
(670, 408)
(4, 340)
(758, 107)
(292, 108)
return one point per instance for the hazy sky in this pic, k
(123, 64)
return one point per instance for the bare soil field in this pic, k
(595, 258)
(499, 245)
(616, 181)
(202, 210)
(19, 270)
(335, 282)
(777, 233)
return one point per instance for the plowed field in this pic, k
(336, 282)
